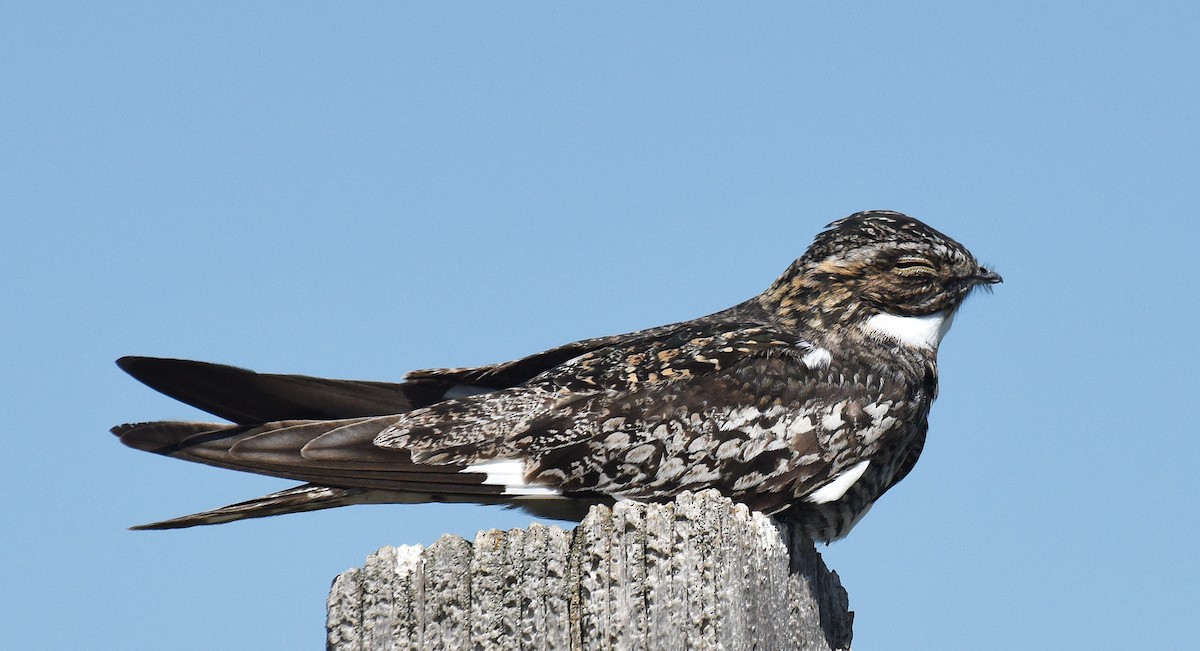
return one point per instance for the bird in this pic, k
(806, 402)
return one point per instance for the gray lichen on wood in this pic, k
(697, 573)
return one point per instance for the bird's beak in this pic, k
(987, 277)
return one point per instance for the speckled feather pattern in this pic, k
(791, 402)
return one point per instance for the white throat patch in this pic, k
(913, 331)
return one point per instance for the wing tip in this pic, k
(159, 526)
(305, 497)
(133, 364)
(150, 370)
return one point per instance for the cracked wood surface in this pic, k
(699, 573)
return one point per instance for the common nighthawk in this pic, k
(808, 401)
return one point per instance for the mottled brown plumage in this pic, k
(808, 401)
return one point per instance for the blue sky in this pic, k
(360, 189)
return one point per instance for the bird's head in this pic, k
(877, 263)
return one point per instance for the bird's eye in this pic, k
(914, 266)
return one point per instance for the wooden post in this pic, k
(698, 573)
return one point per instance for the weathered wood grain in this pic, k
(699, 573)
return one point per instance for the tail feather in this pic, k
(353, 442)
(225, 446)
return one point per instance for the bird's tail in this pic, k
(336, 457)
(440, 453)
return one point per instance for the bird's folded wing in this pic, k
(247, 397)
(307, 497)
(519, 371)
(645, 418)
(749, 411)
